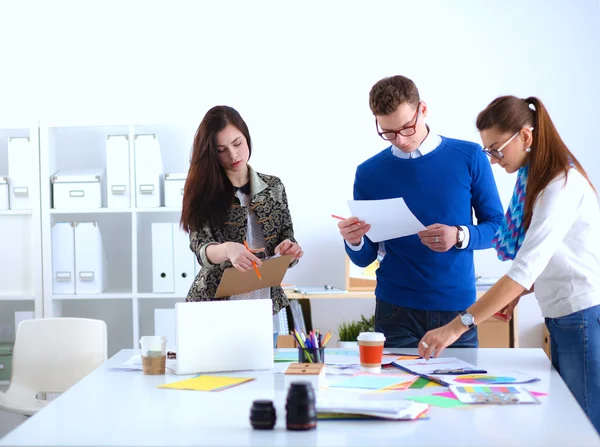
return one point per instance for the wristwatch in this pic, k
(467, 319)
(460, 237)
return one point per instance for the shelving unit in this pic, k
(20, 238)
(126, 232)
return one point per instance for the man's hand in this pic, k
(353, 230)
(439, 237)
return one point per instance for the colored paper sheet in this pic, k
(206, 383)
(286, 356)
(423, 383)
(374, 382)
(438, 401)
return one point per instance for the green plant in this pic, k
(348, 331)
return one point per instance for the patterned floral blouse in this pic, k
(269, 203)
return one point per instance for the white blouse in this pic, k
(561, 249)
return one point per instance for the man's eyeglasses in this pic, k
(390, 135)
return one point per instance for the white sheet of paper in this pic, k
(422, 366)
(389, 218)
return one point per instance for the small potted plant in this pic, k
(348, 331)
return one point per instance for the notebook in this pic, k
(216, 336)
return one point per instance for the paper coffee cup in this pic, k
(370, 346)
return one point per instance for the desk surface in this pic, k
(110, 408)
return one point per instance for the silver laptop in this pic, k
(216, 336)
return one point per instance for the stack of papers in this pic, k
(397, 410)
(376, 382)
(207, 383)
(135, 364)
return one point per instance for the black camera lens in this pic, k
(300, 407)
(262, 415)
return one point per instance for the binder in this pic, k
(162, 258)
(63, 258)
(20, 172)
(90, 259)
(183, 261)
(117, 171)
(148, 172)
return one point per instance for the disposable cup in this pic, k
(370, 346)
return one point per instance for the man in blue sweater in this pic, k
(424, 281)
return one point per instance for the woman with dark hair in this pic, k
(551, 233)
(226, 202)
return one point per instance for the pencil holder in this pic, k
(311, 355)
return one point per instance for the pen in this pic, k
(434, 379)
(338, 217)
(253, 263)
(457, 372)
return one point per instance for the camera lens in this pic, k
(300, 407)
(262, 415)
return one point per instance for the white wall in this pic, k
(300, 74)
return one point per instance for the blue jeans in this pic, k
(575, 349)
(404, 327)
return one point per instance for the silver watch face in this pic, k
(467, 319)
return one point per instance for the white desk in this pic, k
(119, 408)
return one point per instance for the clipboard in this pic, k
(272, 271)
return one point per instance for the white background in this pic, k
(300, 73)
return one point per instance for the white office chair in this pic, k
(49, 356)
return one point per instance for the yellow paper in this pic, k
(206, 383)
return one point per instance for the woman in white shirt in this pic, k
(551, 231)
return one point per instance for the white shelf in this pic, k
(94, 296)
(15, 213)
(161, 209)
(160, 295)
(93, 211)
(7, 297)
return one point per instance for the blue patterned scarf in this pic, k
(510, 235)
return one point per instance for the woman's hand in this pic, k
(510, 308)
(434, 342)
(288, 247)
(241, 257)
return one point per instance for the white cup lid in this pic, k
(370, 336)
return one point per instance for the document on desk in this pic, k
(389, 218)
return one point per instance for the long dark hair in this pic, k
(208, 192)
(549, 155)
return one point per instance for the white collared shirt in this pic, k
(429, 144)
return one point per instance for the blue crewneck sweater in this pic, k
(443, 186)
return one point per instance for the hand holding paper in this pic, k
(387, 218)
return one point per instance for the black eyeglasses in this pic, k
(390, 135)
(497, 153)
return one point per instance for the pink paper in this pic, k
(448, 394)
(537, 393)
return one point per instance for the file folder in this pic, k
(162, 258)
(20, 172)
(90, 259)
(272, 271)
(63, 258)
(183, 261)
(117, 171)
(148, 172)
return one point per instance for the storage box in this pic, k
(77, 189)
(90, 259)
(3, 193)
(6, 350)
(174, 184)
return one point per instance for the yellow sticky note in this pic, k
(206, 383)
